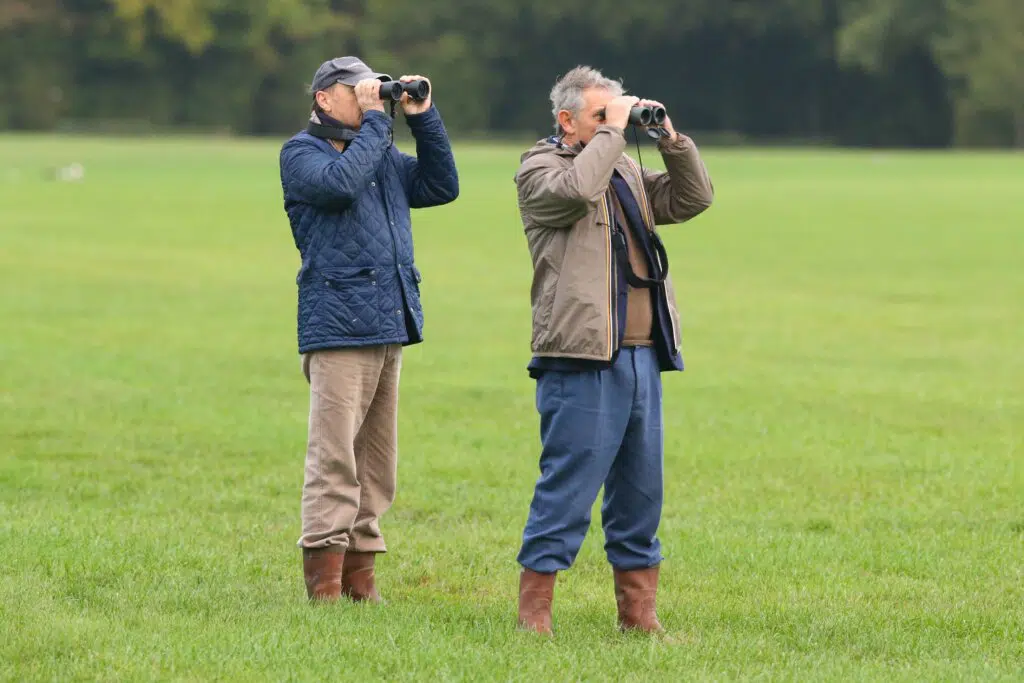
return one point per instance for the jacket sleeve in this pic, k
(685, 190)
(556, 196)
(430, 178)
(334, 182)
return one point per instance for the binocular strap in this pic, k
(319, 130)
(346, 135)
(659, 267)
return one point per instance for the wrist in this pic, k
(421, 119)
(417, 109)
(678, 143)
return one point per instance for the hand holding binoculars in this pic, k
(651, 117)
(646, 116)
(392, 90)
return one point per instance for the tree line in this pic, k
(926, 73)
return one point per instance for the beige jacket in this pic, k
(564, 203)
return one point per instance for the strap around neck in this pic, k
(324, 132)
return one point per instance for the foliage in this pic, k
(978, 44)
(778, 68)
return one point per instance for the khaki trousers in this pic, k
(352, 451)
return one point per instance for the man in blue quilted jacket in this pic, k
(348, 192)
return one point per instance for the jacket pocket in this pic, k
(351, 302)
(411, 279)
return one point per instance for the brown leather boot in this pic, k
(357, 578)
(635, 592)
(536, 591)
(322, 569)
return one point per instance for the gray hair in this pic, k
(567, 92)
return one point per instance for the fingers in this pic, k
(407, 79)
(368, 94)
(368, 86)
(651, 103)
(410, 104)
(623, 103)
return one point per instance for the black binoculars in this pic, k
(392, 90)
(646, 116)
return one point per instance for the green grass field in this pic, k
(845, 453)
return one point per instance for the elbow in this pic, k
(575, 207)
(586, 193)
(691, 206)
(578, 193)
(697, 208)
(429, 196)
(581, 200)
(590, 201)
(332, 193)
(442, 186)
(704, 201)
(707, 193)
(440, 195)
(439, 182)
(450, 193)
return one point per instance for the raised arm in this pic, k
(333, 182)
(430, 178)
(557, 196)
(685, 189)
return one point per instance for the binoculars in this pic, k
(392, 90)
(646, 116)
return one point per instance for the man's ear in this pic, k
(321, 99)
(567, 123)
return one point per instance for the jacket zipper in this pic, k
(612, 280)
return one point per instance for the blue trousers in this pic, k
(598, 428)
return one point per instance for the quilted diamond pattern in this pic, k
(351, 222)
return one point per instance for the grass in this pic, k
(845, 453)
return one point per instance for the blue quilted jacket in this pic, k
(349, 213)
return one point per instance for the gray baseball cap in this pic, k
(347, 70)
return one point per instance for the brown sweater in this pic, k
(639, 311)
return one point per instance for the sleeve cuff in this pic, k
(682, 143)
(424, 119)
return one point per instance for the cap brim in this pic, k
(352, 80)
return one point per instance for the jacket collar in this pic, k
(564, 149)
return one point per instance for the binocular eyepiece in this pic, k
(392, 90)
(646, 116)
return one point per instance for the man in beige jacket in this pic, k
(605, 326)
